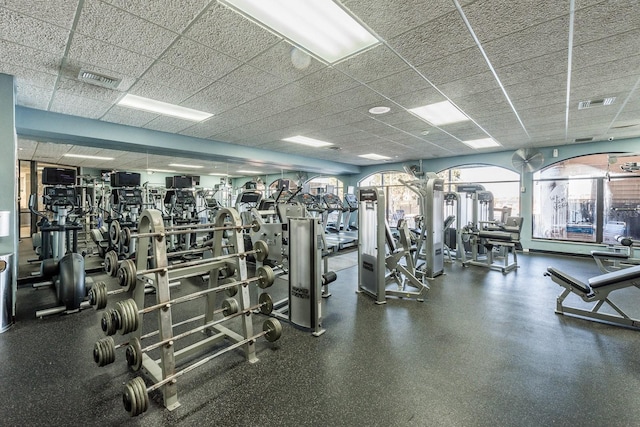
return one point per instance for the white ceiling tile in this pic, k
(95, 52)
(229, 32)
(252, 79)
(128, 116)
(115, 26)
(612, 70)
(436, 39)
(31, 32)
(67, 103)
(58, 12)
(372, 64)
(492, 19)
(170, 14)
(455, 66)
(218, 97)
(277, 61)
(605, 19)
(197, 58)
(399, 17)
(419, 98)
(29, 77)
(620, 46)
(531, 69)
(183, 80)
(86, 90)
(539, 40)
(619, 87)
(32, 96)
(327, 81)
(469, 85)
(29, 58)
(401, 83)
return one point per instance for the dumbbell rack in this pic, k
(151, 222)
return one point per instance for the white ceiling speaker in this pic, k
(526, 160)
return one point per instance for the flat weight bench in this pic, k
(597, 290)
(608, 261)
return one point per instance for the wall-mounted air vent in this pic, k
(596, 103)
(334, 147)
(583, 139)
(98, 79)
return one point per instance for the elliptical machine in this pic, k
(58, 249)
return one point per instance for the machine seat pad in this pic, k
(615, 277)
(568, 279)
(496, 235)
(609, 254)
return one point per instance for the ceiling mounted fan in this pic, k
(526, 160)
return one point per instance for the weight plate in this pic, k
(135, 397)
(127, 275)
(111, 263)
(107, 323)
(134, 354)
(230, 306)
(255, 225)
(262, 250)
(273, 329)
(230, 291)
(266, 303)
(114, 232)
(229, 270)
(126, 236)
(266, 276)
(104, 351)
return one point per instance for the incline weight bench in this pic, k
(597, 290)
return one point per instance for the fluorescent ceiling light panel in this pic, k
(482, 143)
(307, 141)
(179, 165)
(374, 156)
(218, 174)
(164, 108)
(83, 156)
(249, 172)
(160, 170)
(320, 26)
(440, 113)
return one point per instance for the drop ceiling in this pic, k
(518, 69)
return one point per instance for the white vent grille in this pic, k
(596, 103)
(98, 79)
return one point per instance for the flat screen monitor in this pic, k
(125, 179)
(58, 176)
(182, 182)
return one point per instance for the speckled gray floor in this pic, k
(483, 350)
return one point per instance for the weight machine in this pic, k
(380, 261)
(429, 253)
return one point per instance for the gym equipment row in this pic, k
(228, 262)
(597, 290)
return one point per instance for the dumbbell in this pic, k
(135, 396)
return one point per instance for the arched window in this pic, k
(503, 183)
(401, 201)
(588, 199)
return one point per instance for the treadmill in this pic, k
(341, 239)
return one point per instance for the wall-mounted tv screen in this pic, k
(125, 179)
(58, 176)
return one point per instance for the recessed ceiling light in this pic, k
(249, 172)
(482, 143)
(321, 26)
(179, 165)
(160, 170)
(84, 156)
(374, 156)
(379, 110)
(298, 139)
(151, 105)
(440, 113)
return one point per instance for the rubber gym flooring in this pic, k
(483, 349)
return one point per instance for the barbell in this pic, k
(127, 274)
(134, 349)
(117, 233)
(135, 396)
(104, 349)
(125, 316)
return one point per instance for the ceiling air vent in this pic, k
(98, 79)
(583, 139)
(596, 103)
(334, 147)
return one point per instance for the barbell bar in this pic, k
(104, 349)
(115, 231)
(125, 316)
(127, 271)
(134, 348)
(135, 396)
